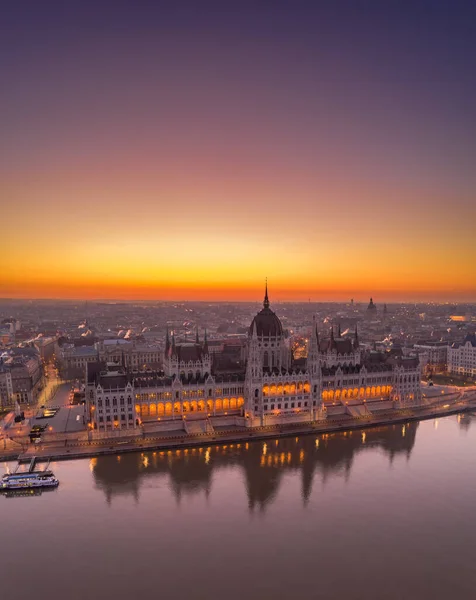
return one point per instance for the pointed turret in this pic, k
(205, 343)
(332, 344)
(313, 351)
(314, 334)
(356, 339)
(167, 343)
(174, 349)
(266, 299)
(197, 339)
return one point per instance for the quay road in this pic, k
(52, 384)
(69, 420)
(178, 439)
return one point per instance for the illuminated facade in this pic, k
(119, 398)
(336, 374)
(434, 355)
(462, 357)
(273, 388)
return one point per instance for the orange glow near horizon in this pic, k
(178, 247)
(216, 261)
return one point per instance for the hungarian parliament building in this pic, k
(194, 390)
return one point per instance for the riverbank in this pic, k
(72, 450)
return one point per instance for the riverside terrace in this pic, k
(66, 446)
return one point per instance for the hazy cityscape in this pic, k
(171, 373)
(238, 300)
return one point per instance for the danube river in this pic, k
(389, 513)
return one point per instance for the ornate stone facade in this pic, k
(270, 388)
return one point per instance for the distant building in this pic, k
(436, 354)
(6, 388)
(130, 354)
(72, 360)
(371, 312)
(21, 377)
(11, 324)
(462, 357)
(6, 336)
(46, 347)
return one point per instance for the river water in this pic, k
(389, 513)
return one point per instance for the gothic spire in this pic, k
(167, 342)
(205, 343)
(332, 344)
(266, 299)
(197, 339)
(173, 343)
(356, 339)
(314, 342)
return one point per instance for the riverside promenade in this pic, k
(76, 448)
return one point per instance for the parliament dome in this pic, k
(266, 321)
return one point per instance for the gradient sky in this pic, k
(186, 150)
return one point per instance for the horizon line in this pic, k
(205, 301)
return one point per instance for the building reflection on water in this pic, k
(190, 471)
(465, 420)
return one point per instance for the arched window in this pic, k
(265, 359)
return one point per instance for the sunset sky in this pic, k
(188, 150)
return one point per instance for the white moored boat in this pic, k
(35, 479)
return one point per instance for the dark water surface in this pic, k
(391, 514)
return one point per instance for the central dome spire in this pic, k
(266, 322)
(266, 299)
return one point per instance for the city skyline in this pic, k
(186, 153)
